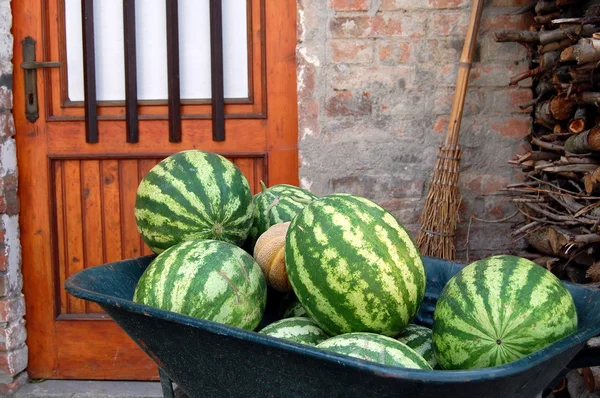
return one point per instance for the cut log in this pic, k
(570, 168)
(546, 18)
(565, 3)
(580, 120)
(585, 142)
(552, 264)
(588, 97)
(576, 386)
(593, 273)
(558, 242)
(544, 88)
(543, 115)
(562, 108)
(543, 155)
(593, 10)
(584, 75)
(561, 33)
(580, 21)
(560, 390)
(545, 7)
(592, 378)
(591, 181)
(575, 274)
(593, 342)
(585, 50)
(520, 36)
(549, 240)
(555, 46)
(547, 145)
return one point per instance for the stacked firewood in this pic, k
(560, 193)
(559, 196)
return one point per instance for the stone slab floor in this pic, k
(109, 389)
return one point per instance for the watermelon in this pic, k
(498, 310)
(295, 309)
(375, 348)
(298, 329)
(206, 279)
(275, 205)
(193, 194)
(418, 338)
(353, 267)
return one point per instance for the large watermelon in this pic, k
(498, 310)
(418, 338)
(193, 194)
(353, 267)
(375, 348)
(206, 279)
(298, 329)
(275, 205)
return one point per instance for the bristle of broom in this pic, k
(440, 212)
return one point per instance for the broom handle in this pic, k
(464, 68)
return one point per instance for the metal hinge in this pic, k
(30, 65)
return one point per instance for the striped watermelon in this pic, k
(206, 279)
(418, 338)
(353, 267)
(298, 329)
(276, 205)
(193, 194)
(498, 310)
(295, 309)
(375, 348)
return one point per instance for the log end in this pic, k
(576, 126)
(591, 377)
(568, 54)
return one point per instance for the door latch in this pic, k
(30, 66)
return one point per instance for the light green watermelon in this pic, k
(206, 279)
(298, 329)
(193, 194)
(375, 348)
(418, 338)
(277, 204)
(498, 310)
(353, 267)
(295, 309)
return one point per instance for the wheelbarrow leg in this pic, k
(166, 384)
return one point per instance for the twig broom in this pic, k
(440, 212)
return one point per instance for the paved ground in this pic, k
(109, 389)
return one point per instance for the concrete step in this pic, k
(90, 389)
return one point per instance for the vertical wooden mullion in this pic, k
(216, 70)
(131, 114)
(173, 71)
(89, 72)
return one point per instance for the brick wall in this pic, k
(376, 80)
(13, 351)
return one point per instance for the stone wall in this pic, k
(13, 351)
(376, 81)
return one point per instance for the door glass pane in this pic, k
(194, 47)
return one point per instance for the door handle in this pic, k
(30, 66)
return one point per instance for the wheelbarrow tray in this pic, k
(208, 359)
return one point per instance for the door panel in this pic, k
(93, 216)
(77, 198)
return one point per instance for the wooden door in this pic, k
(77, 196)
